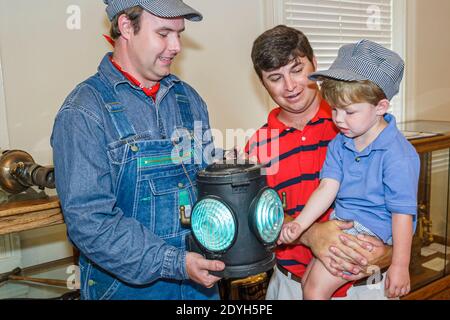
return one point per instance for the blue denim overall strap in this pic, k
(183, 106)
(114, 107)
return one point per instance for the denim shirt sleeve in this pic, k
(118, 244)
(332, 167)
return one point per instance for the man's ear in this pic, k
(125, 26)
(382, 107)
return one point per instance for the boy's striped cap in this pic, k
(366, 60)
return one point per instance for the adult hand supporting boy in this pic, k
(342, 252)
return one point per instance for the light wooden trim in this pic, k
(431, 144)
(30, 221)
(27, 215)
(21, 207)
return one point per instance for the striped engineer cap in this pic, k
(366, 60)
(160, 8)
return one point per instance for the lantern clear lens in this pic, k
(269, 216)
(213, 225)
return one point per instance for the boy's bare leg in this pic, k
(342, 252)
(320, 284)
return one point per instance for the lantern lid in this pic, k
(234, 173)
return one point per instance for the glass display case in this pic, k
(430, 254)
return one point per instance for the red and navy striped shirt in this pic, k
(294, 159)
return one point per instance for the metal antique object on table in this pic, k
(26, 208)
(19, 172)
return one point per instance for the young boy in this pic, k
(371, 171)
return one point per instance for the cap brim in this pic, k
(172, 9)
(337, 74)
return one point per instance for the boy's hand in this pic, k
(397, 281)
(289, 233)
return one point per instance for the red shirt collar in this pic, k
(273, 122)
(150, 92)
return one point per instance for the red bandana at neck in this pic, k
(110, 40)
(151, 92)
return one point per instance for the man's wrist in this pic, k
(385, 259)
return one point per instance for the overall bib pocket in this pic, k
(165, 181)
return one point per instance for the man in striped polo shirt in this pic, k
(293, 144)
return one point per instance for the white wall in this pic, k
(427, 65)
(43, 61)
(216, 60)
(4, 137)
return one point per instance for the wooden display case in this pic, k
(430, 256)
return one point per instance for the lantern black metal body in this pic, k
(237, 219)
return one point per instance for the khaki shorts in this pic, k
(281, 287)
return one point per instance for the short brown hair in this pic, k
(134, 14)
(343, 93)
(277, 47)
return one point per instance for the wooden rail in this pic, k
(27, 215)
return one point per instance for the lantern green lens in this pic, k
(269, 216)
(213, 225)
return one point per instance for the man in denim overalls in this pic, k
(128, 143)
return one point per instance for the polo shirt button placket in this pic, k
(358, 159)
(303, 139)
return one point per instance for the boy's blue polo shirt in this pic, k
(380, 180)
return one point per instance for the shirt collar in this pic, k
(115, 77)
(151, 92)
(324, 112)
(383, 140)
